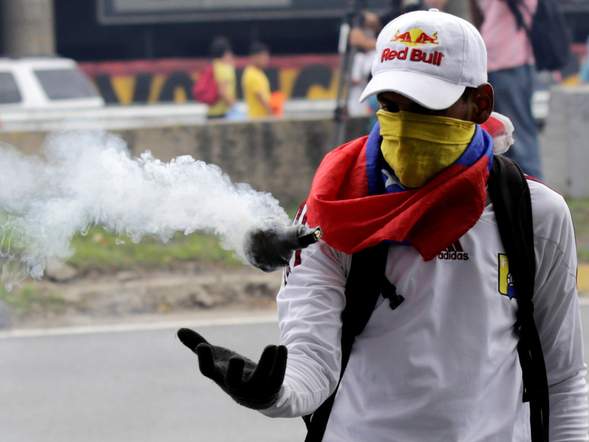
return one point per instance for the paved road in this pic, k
(132, 385)
(125, 387)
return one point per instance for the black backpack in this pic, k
(548, 34)
(510, 196)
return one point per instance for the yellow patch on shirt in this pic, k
(506, 287)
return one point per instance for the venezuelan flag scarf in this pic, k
(356, 201)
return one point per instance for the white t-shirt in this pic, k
(443, 366)
(361, 65)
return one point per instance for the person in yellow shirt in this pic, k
(224, 73)
(255, 84)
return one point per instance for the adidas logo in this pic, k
(454, 253)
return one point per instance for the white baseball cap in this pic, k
(428, 56)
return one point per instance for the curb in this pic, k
(120, 299)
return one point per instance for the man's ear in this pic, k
(483, 102)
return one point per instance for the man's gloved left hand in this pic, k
(255, 386)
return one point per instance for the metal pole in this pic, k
(27, 27)
(351, 19)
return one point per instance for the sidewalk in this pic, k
(583, 279)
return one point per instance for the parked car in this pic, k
(31, 84)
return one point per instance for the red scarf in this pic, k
(430, 218)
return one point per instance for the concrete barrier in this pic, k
(565, 141)
(277, 156)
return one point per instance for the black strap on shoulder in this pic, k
(510, 195)
(364, 285)
(514, 7)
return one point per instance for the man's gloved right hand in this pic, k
(272, 247)
(255, 386)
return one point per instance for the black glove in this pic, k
(253, 385)
(270, 248)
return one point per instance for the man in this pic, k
(359, 76)
(224, 75)
(511, 71)
(255, 84)
(365, 42)
(441, 362)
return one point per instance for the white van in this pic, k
(32, 84)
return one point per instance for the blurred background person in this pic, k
(363, 41)
(255, 83)
(511, 71)
(359, 78)
(584, 73)
(360, 74)
(223, 69)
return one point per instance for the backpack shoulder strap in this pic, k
(514, 7)
(364, 284)
(510, 195)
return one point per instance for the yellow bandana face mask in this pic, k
(418, 146)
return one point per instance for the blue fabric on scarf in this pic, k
(382, 179)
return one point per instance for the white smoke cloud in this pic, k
(82, 179)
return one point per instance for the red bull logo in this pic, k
(415, 37)
(416, 55)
